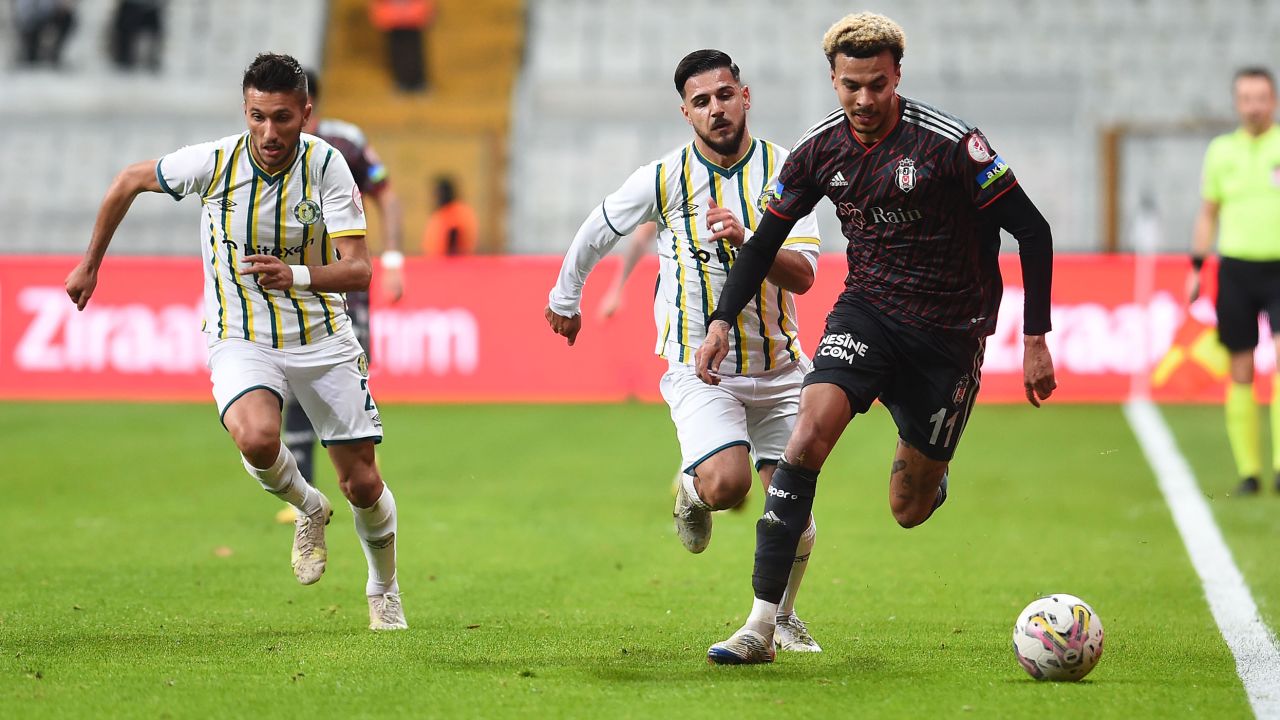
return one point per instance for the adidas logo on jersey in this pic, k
(838, 180)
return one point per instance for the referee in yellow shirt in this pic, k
(1241, 193)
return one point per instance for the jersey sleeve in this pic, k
(634, 203)
(341, 205)
(187, 171)
(795, 192)
(376, 177)
(620, 214)
(804, 239)
(1211, 181)
(986, 175)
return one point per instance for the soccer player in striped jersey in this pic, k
(706, 197)
(282, 236)
(372, 179)
(922, 198)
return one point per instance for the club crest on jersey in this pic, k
(307, 212)
(906, 175)
(978, 149)
(362, 364)
(962, 389)
(771, 191)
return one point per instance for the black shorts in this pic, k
(1246, 288)
(358, 311)
(928, 380)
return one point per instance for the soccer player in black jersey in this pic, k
(921, 197)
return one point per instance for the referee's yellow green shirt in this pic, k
(1242, 175)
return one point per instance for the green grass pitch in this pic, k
(541, 576)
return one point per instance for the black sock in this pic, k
(301, 439)
(942, 496)
(787, 506)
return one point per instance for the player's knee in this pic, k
(260, 445)
(362, 485)
(909, 514)
(809, 445)
(724, 489)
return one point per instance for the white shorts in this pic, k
(758, 411)
(329, 378)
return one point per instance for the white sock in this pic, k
(284, 480)
(376, 526)
(803, 550)
(762, 617)
(687, 481)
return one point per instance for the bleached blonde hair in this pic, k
(863, 35)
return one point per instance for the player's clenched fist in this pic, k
(1037, 369)
(724, 225)
(80, 284)
(272, 273)
(712, 352)
(561, 325)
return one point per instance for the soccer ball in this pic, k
(1058, 637)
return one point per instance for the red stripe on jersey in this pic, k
(987, 204)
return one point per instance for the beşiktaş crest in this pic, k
(906, 175)
(307, 212)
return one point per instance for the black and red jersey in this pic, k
(910, 205)
(348, 139)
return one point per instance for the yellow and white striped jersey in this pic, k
(675, 192)
(294, 214)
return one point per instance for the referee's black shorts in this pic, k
(1246, 288)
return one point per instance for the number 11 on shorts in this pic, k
(939, 419)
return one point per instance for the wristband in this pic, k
(1197, 262)
(301, 277)
(392, 260)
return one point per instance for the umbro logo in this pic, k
(688, 209)
(226, 204)
(838, 180)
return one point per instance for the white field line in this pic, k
(1251, 642)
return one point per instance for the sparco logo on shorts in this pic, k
(876, 215)
(842, 346)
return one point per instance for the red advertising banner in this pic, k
(471, 330)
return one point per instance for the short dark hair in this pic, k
(1255, 71)
(313, 83)
(271, 72)
(700, 61)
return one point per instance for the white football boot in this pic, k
(386, 612)
(310, 554)
(790, 634)
(693, 524)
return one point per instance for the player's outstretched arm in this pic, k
(137, 178)
(1015, 212)
(352, 271)
(594, 239)
(754, 261)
